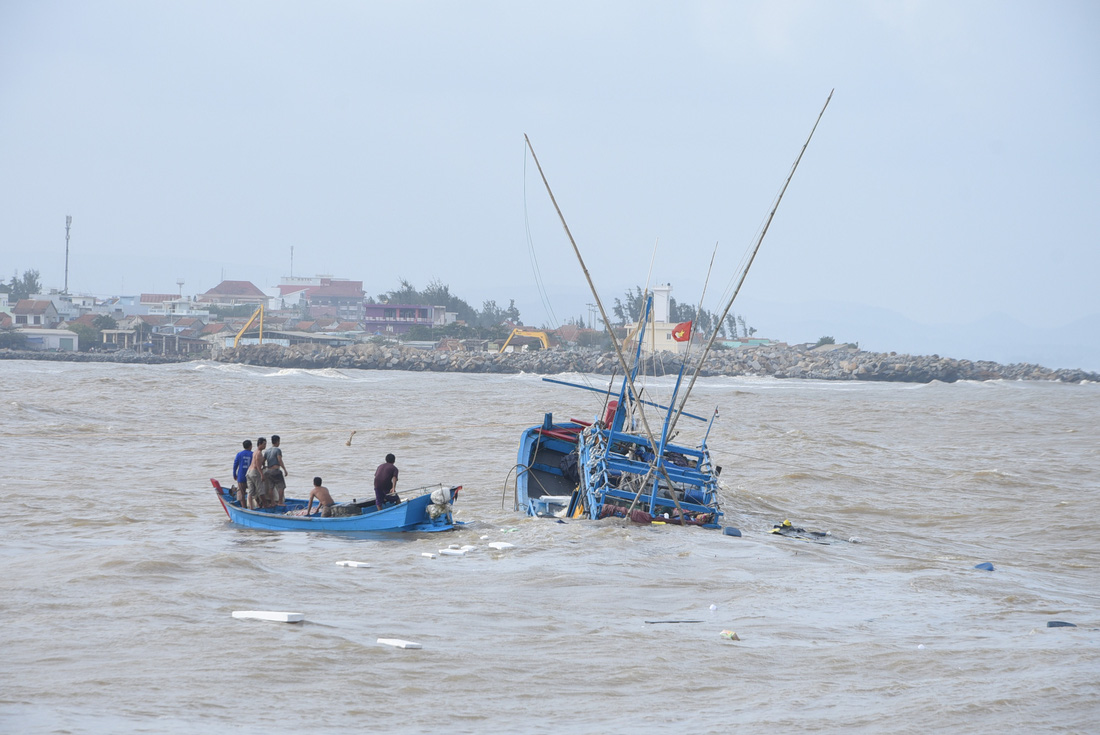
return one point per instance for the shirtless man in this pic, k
(256, 498)
(274, 472)
(324, 499)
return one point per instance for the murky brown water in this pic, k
(121, 572)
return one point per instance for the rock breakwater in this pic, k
(830, 362)
(127, 356)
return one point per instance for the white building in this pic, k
(50, 339)
(658, 333)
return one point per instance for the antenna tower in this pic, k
(68, 224)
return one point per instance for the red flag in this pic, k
(682, 332)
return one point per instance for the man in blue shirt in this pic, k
(240, 470)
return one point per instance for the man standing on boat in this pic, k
(240, 471)
(385, 482)
(274, 471)
(255, 476)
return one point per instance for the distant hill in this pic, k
(996, 337)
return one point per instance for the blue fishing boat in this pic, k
(610, 466)
(616, 465)
(425, 513)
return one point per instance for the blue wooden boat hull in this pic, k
(409, 515)
(545, 489)
(541, 487)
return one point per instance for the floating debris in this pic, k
(349, 563)
(270, 615)
(729, 635)
(398, 643)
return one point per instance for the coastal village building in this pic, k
(61, 340)
(397, 319)
(69, 306)
(233, 293)
(180, 306)
(170, 304)
(154, 300)
(324, 296)
(35, 313)
(657, 335)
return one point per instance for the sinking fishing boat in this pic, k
(615, 466)
(425, 513)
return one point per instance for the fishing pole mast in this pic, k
(588, 277)
(633, 392)
(745, 272)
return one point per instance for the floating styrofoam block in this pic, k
(452, 552)
(428, 554)
(398, 643)
(467, 547)
(273, 616)
(348, 563)
(501, 545)
(483, 538)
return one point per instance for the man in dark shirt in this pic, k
(385, 482)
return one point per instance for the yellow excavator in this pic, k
(540, 336)
(258, 313)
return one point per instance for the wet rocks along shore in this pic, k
(830, 362)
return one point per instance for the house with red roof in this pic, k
(88, 320)
(326, 296)
(232, 293)
(35, 313)
(154, 299)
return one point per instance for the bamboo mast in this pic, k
(603, 314)
(745, 272)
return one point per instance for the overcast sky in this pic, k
(953, 176)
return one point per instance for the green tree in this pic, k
(731, 325)
(420, 333)
(825, 341)
(12, 340)
(490, 314)
(25, 287)
(88, 336)
(630, 309)
(235, 310)
(436, 294)
(104, 321)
